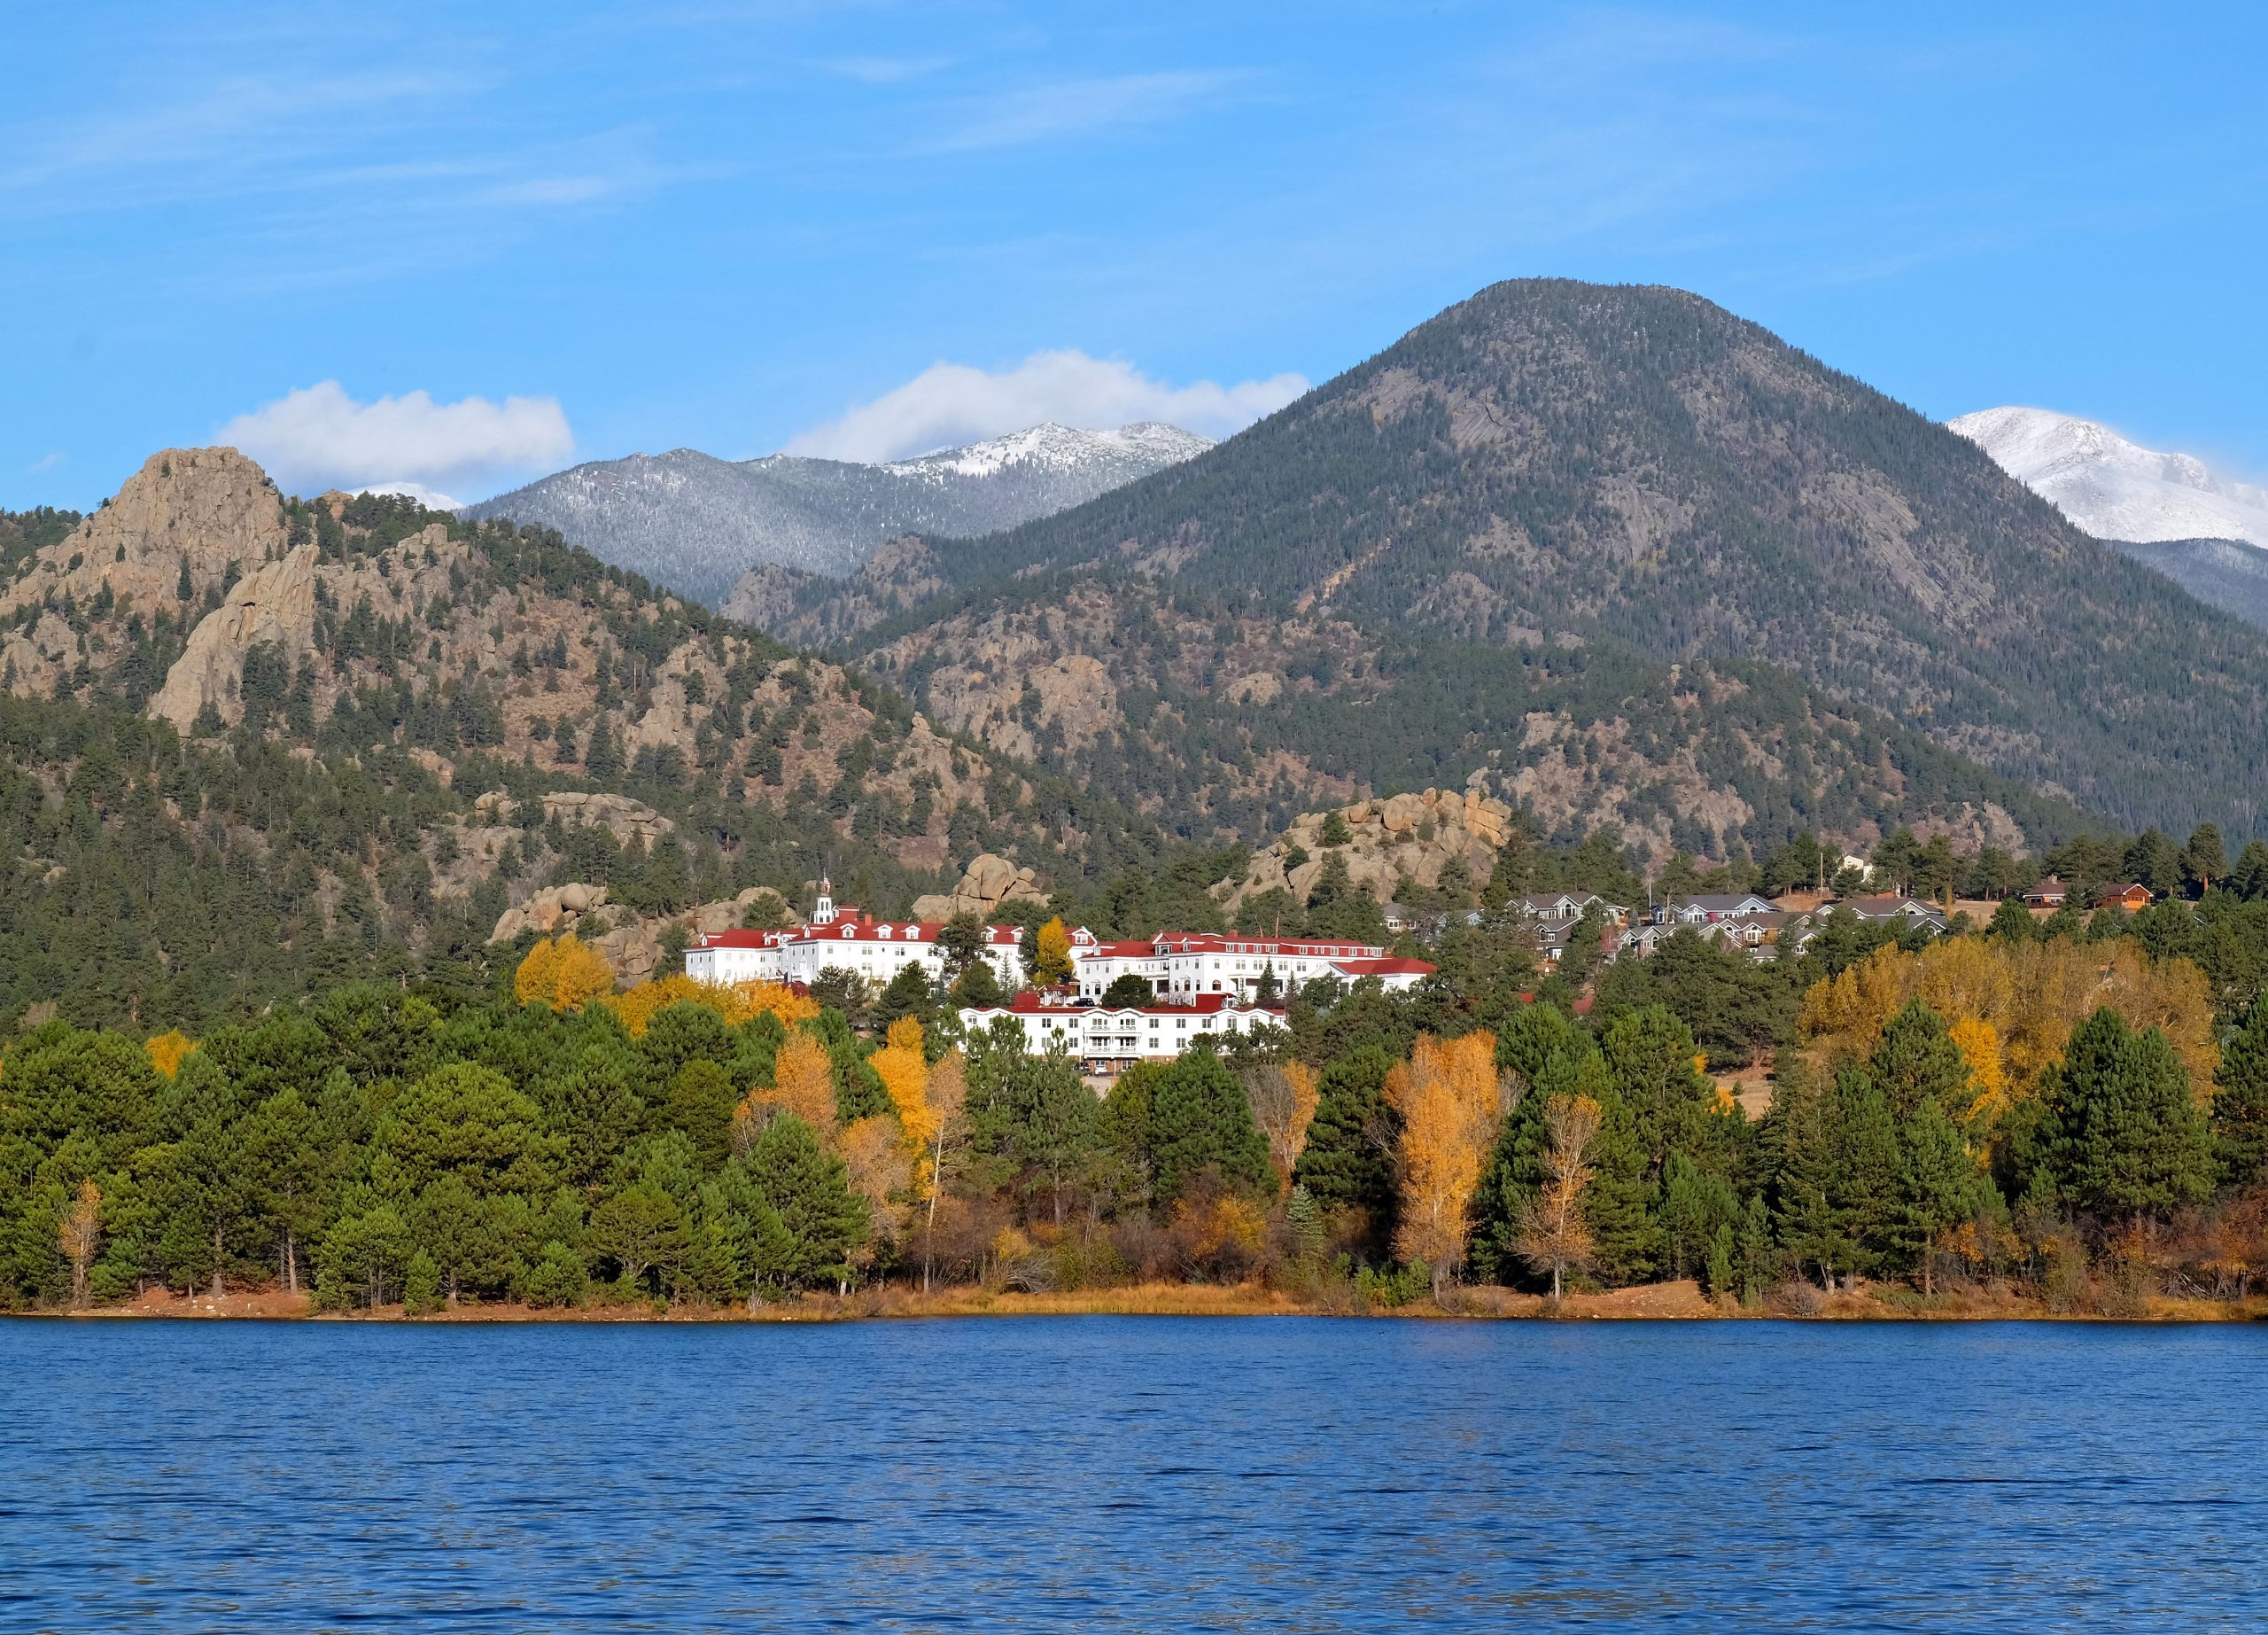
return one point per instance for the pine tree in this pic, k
(1865, 1188)
(1346, 1162)
(821, 1219)
(2241, 1102)
(1620, 1201)
(1917, 1061)
(1199, 1120)
(1939, 1185)
(2122, 1135)
(1574, 1070)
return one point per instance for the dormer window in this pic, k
(882, 931)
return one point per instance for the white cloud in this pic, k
(46, 463)
(317, 437)
(948, 404)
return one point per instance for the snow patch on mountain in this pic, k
(697, 523)
(2113, 488)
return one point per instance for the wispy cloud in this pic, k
(1079, 108)
(948, 404)
(45, 464)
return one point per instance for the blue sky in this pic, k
(742, 227)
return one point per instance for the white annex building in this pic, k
(1106, 1041)
(1187, 965)
(842, 938)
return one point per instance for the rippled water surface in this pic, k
(1152, 1474)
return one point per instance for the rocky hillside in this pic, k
(243, 734)
(1554, 468)
(698, 524)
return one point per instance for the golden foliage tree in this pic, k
(566, 973)
(1283, 1105)
(169, 1050)
(2028, 997)
(876, 1166)
(78, 1232)
(905, 1073)
(947, 1100)
(1554, 1237)
(1450, 1104)
(803, 1083)
(736, 1002)
(1053, 963)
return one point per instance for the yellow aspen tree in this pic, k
(1553, 1236)
(1054, 963)
(1283, 1105)
(875, 1166)
(905, 1073)
(1450, 1104)
(948, 1101)
(803, 1084)
(1979, 1044)
(582, 976)
(536, 977)
(78, 1232)
(169, 1050)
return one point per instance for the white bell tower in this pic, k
(823, 914)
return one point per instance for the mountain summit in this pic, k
(1554, 469)
(2113, 488)
(697, 523)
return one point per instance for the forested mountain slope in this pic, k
(249, 743)
(2232, 574)
(1552, 466)
(697, 523)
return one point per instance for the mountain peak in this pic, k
(700, 525)
(2113, 488)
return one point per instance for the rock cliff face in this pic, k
(191, 519)
(989, 882)
(1410, 837)
(274, 604)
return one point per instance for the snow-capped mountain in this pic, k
(2112, 488)
(696, 523)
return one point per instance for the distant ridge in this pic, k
(697, 523)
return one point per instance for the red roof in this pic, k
(1383, 968)
(846, 929)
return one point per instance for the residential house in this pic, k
(2130, 897)
(2049, 893)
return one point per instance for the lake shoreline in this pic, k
(1679, 1301)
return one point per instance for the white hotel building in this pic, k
(1199, 973)
(844, 938)
(1184, 966)
(1107, 1041)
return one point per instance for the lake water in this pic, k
(1141, 1473)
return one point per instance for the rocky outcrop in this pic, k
(1406, 837)
(208, 513)
(629, 942)
(274, 604)
(989, 882)
(578, 808)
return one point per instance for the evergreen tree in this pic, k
(1865, 1188)
(1346, 1162)
(1200, 1119)
(2240, 1123)
(1917, 1061)
(821, 1220)
(1620, 1202)
(2120, 1134)
(1939, 1185)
